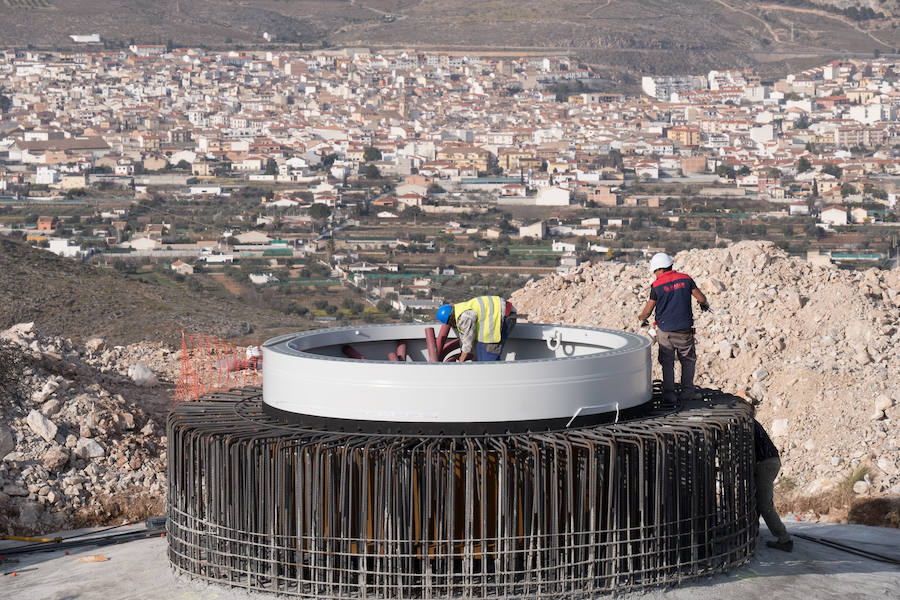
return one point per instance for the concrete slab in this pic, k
(139, 570)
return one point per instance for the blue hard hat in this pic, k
(444, 312)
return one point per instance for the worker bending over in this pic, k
(671, 295)
(482, 324)
(765, 470)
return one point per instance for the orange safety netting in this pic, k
(210, 364)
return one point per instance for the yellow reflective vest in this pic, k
(490, 311)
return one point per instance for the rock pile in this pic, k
(816, 348)
(80, 442)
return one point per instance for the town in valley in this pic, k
(357, 184)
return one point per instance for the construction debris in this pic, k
(816, 348)
(77, 445)
(92, 558)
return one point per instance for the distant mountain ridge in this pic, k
(645, 35)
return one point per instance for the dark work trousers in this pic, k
(765, 473)
(680, 344)
(491, 352)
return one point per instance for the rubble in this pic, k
(817, 349)
(81, 442)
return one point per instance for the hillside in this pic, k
(640, 35)
(815, 348)
(80, 301)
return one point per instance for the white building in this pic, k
(261, 278)
(93, 38)
(46, 176)
(61, 247)
(762, 133)
(835, 215)
(536, 230)
(182, 268)
(563, 247)
(662, 88)
(144, 243)
(206, 190)
(552, 196)
(799, 208)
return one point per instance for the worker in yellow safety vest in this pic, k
(482, 324)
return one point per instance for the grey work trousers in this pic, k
(765, 473)
(672, 344)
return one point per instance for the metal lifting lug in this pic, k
(554, 341)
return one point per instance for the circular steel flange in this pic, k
(548, 376)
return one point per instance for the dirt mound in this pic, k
(80, 301)
(816, 348)
(82, 437)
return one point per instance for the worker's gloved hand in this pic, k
(704, 307)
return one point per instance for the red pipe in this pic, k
(448, 348)
(350, 352)
(401, 351)
(432, 344)
(442, 336)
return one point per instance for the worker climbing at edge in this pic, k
(670, 296)
(482, 324)
(766, 469)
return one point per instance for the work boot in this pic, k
(787, 546)
(693, 394)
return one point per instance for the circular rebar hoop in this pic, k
(263, 505)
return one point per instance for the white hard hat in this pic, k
(660, 260)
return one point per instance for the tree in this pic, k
(319, 211)
(328, 160)
(802, 122)
(372, 172)
(847, 190)
(833, 170)
(5, 101)
(725, 171)
(412, 211)
(803, 165)
(271, 167)
(371, 153)
(183, 165)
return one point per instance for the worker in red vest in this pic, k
(670, 296)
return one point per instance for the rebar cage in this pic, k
(264, 505)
